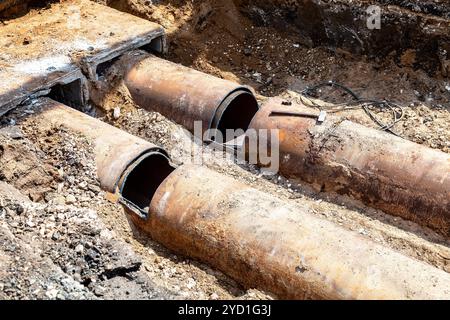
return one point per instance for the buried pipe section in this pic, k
(257, 239)
(383, 171)
(185, 95)
(397, 176)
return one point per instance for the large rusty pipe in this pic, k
(397, 176)
(117, 153)
(185, 95)
(400, 177)
(266, 243)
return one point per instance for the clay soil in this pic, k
(48, 178)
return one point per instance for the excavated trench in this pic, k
(150, 183)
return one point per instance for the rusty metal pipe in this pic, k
(119, 156)
(185, 95)
(397, 176)
(385, 172)
(257, 239)
(266, 243)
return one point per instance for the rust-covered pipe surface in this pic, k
(185, 95)
(266, 243)
(119, 156)
(383, 171)
(395, 175)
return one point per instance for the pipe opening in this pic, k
(236, 111)
(155, 46)
(103, 68)
(142, 179)
(70, 94)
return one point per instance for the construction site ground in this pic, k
(62, 238)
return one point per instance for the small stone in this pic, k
(214, 296)
(59, 201)
(257, 76)
(52, 294)
(55, 236)
(116, 113)
(191, 283)
(79, 248)
(83, 184)
(13, 132)
(99, 291)
(70, 199)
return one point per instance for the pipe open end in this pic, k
(236, 111)
(141, 181)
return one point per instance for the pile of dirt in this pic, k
(63, 252)
(78, 257)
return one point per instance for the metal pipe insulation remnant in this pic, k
(185, 95)
(397, 176)
(265, 243)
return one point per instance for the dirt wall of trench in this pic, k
(418, 31)
(12, 8)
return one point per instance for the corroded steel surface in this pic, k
(384, 171)
(266, 243)
(182, 94)
(114, 149)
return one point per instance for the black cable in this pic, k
(397, 111)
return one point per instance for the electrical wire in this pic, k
(398, 112)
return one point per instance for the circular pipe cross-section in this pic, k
(125, 163)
